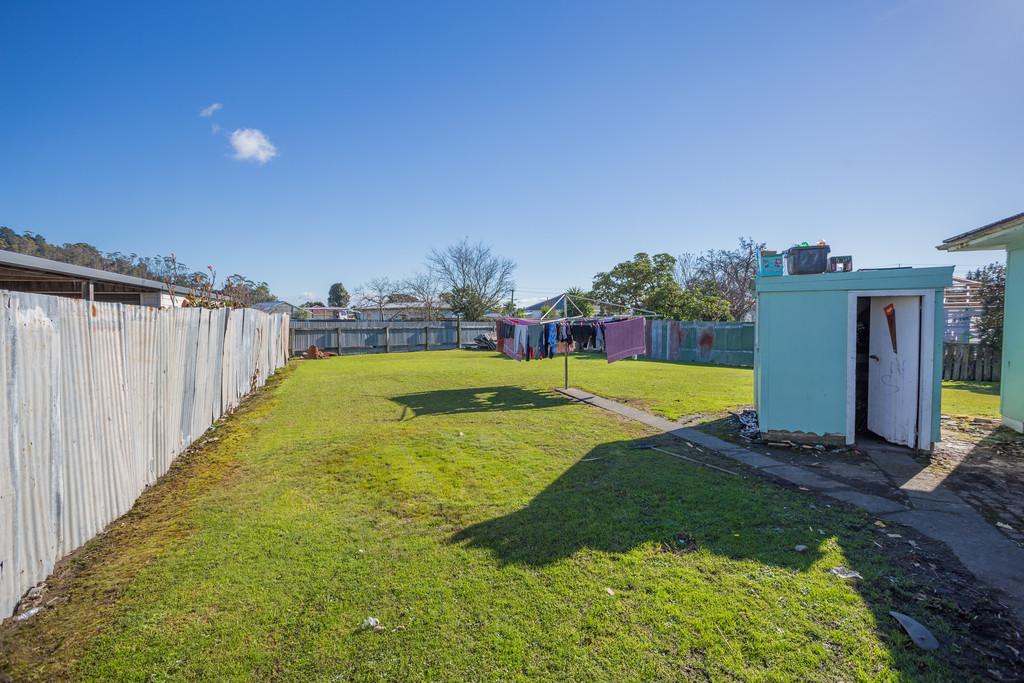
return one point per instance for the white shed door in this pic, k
(894, 350)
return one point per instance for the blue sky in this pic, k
(568, 136)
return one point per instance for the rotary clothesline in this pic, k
(619, 336)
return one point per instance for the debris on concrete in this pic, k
(921, 636)
(749, 428)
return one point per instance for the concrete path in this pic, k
(935, 511)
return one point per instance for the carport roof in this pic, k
(11, 261)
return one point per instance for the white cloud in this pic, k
(211, 109)
(252, 145)
(215, 128)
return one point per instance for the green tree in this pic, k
(575, 304)
(310, 304)
(337, 295)
(993, 288)
(631, 283)
(301, 314)
(701, 302)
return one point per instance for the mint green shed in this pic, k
(842, 354)
(1006, 234)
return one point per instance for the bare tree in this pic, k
(730, 272)
(426, 289)
(377, 292)
(477, 281)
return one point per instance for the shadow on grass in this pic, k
(616, 499)
(983, 388)
(484, 399)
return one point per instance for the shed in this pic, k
(23, 273)
(1006, 234)
(842, 354)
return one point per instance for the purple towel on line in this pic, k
(624, 339)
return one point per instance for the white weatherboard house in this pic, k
(1006, 234)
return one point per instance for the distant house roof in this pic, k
(402, 306)
(992, 236)
(268, 306)
(541, 304)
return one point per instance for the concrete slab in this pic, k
(801, 477)
(876, 505)
(899, 467)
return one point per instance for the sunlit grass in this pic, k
(498, 532)
(977, 399)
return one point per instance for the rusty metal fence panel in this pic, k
(721, 343)
(98, 400)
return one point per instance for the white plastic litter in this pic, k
(921, 636)
(28, 615)
(845, 573)
(370, 622)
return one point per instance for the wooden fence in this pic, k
(970, 362)
(369, 336)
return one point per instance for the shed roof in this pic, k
(996, 235)
(861, 280)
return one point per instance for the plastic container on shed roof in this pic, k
(807, 260)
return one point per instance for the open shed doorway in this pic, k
(892, 392)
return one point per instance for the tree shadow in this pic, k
(983, 388)
(477, 400)
(617, 498)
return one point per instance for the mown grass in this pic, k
(499, 532)
(976, 399)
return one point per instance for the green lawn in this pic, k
(506, 533)
(977, 399)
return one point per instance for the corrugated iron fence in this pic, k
(720, 343)
(352, 337)
(98, 399)
(970, 362)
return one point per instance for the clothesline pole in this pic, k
(567, 363)
(565, 312)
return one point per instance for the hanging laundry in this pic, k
(626, 338)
